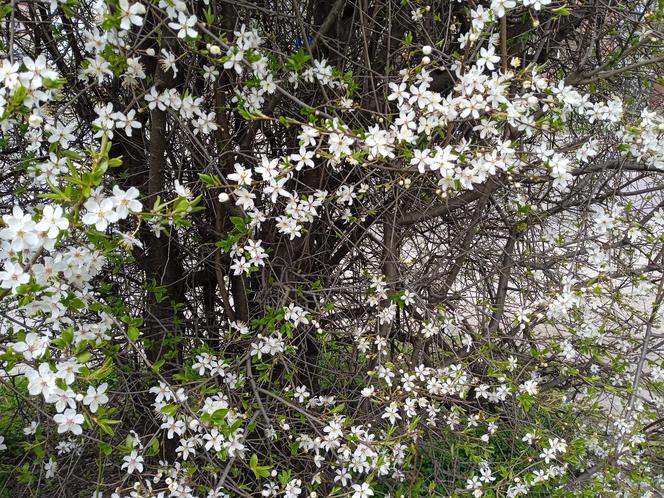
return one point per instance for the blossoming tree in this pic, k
(319, 248)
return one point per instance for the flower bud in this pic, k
(35, 120)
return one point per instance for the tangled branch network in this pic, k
(349, 248)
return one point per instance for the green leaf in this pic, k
(209, 180)
(562, 11)
(70, 154)
(19, 96)
(102, 372)
(153, 448)
(56, 83)
(258, 470)
(84, 357)
(209, 15)
(297, 61)
(239, 223)
(105, 425)
(246, 114)
(105, 448)
(133, 333)
(156, 366)
(169, 409)
(5, 10)
(67, 335)
(286, 121)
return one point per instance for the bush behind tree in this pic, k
(331, 248)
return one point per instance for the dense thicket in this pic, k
(331, 248)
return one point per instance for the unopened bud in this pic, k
(35, 120)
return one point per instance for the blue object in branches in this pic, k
(299, 42)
